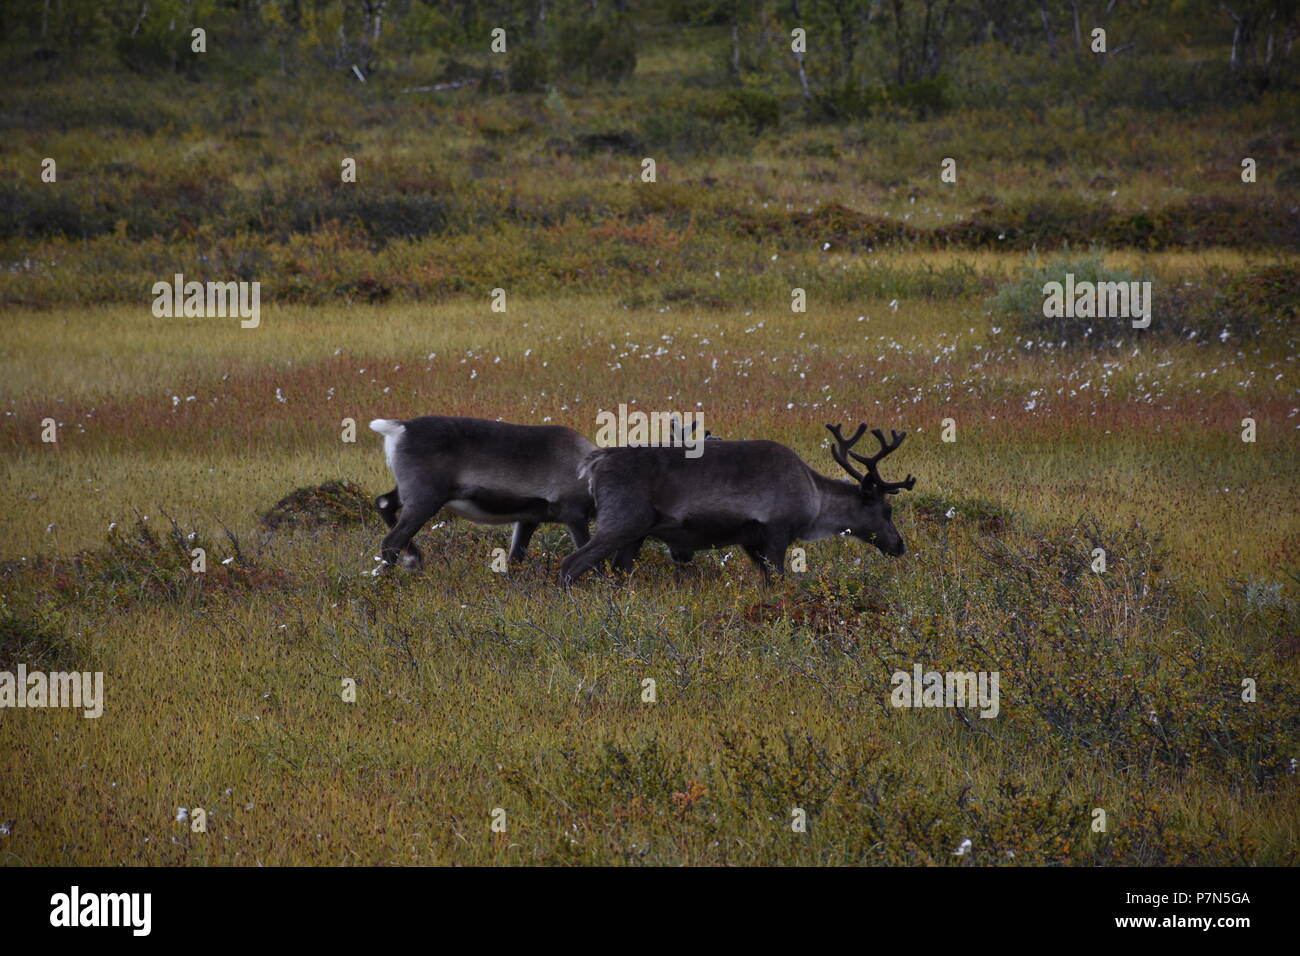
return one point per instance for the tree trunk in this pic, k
(1047, 28)
(1078, 33)
(798, 57)
(144, 11)
(900, 43)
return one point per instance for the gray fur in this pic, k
(485, 471)
(756, 494)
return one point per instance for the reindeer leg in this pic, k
(626, 556)
(578, 532)
(769, 555)
(587, 557)
(414, 515)
(622, 523)
(519, 541)
(760, 561)
(388, 504)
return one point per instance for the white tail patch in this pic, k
(392, 430)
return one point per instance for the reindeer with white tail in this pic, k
(490, 473)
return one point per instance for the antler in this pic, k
(841, 453)
(886, 447)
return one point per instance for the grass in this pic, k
(479, 691)
(1105, 416)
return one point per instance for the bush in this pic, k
(1256, 303)
(925, 98)
(852, 101)
(1021, 302)
(759, 109)
(689, 134)
(382, 218)
(596, 50)
(530, 68)
(613, 141)
(138, 564)
(844, 103)
(989, 516)
(154, 48)
(1271, 293)
(35, 633)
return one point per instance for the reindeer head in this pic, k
(872, 516)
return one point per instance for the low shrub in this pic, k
(596, 50)
(1259, 302)
(330, 505)
(35, 632)
(1021, 302)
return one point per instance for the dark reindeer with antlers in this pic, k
(756, 494)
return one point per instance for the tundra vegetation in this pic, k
(476, 690)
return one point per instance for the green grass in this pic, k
(480, 691)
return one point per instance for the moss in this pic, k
(330, 505)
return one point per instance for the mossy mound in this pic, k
(333, 504)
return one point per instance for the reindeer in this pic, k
(756, 494)
(488, 472)
(628, 554)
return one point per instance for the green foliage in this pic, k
(691, 123)
(157, 47)
(35, 632)
(1020, 302)
(759, 109)
(1080, 670)
(530, 68)
(596, 50)
(1256, 303)
(142, 565)
(850, 101)
(1269, 293)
